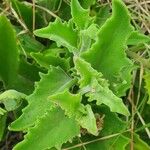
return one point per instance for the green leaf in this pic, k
(11, 99)
(2, 111)
(55, 81)
(47, 58)
(28, 44)
(52, 130)
(80, 15)
(107, 54)
(103, 14)
(8, 53)
(96, 87)
(137, 38)
(62, 33)
(147, 84)
(2, 125)
(29, 71)
(71, 103)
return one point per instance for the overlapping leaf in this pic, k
(55, 81)
(107, 54)
(52, 130)
(71, 103)
(96, 87)
(62, 33)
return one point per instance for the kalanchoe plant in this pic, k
(88, 72)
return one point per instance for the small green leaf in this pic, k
(87, 3)
(52, 130)
(71, 103)
(2, 111)
(80, 16)
(137, 38)
(87, 36)
(29, 44)
(97, 88)
(47, 58)
(52, 5)
(55, 81)
(107, 54)
(139, 144)
(8, 53)
(62, 33)
(2, 125)
(147, 84)
(29, 71)
(11, 99)
(103, 14)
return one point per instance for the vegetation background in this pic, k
(28, 20)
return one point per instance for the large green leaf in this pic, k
(107, 54)
(52, 130)
(97, 88)
(8, 53)
(80, 15)
(62, 33)
(71, 103)
(55, 81)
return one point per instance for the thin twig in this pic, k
(33, 15)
